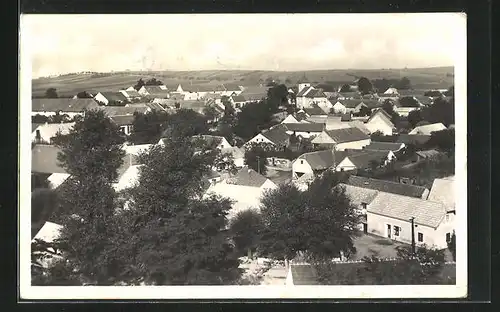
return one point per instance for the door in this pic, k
(365, 228)
(388, 230)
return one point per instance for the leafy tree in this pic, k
(43, 203)
(246, 228)
(364, 111)
(153, 82)
(256, 158)
(440, 111)
(330, 217)
(211, 113)
(51, 93)
(408, 101)
(147, 128)
(403, 84)
(225, 161)
(91, 153)
(180, 236)
(58, 118)
(185, 123)
(381, 85)
(364, 85)
(140, 83)
(252, 119)
(288, 81)
(452, 247)
(284, 230)
(388, 106)
(277, 96)
(39, 119)
(444, 140)
(84, 95)
(414, 117)
(450, 91)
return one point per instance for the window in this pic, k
(447, 218)
(448, 237)
(363, 205)
(397, 229)
(301, 162)
(420, 237)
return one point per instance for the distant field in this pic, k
(69, 85)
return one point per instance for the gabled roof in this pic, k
(362, 159)
(123, 120)
(248, 177)
(347, 135)
(239, 98)
(428, 153)
(277, 134)
(315, 93)
(314, 110)
(359, 195)
(428, 129)
(400, 207)
(360, 125)
(385, 116)
(387, 186)
(415, 139)
(50, 130)
(214, 96)
(44, 159)
(112, 111)
(195, 105)
(351, 94)
(372, 103)
(350, 103)
(63, 104)
(304, 91)
(321, 160)
(114, 96)
(443, 191)
(425, 100)
(155, 89)
(132, 93)
(383, 146)
(305, 127)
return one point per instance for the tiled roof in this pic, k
(315, 93)
(133, 93)
(415, 139)
(195, 105)
(383, 114)
(359, 195)
(154, 89)
(112, 111)
(63, 104)
(383, 146)
(304, 91)
(214, 96)
(305, 127)
(114, 96)
(347, 135)
(360, 125)
(400, 207)
(248, 177)
(304, 274)
(425, 100)
(44, 159)
(443, 191)
(50, 130)
(428, 129)
(387, 186)
(315, 110)
(372, 103)
(363, 159)
(350, 103)
(123, 120)
(277, 134)
(353, 94)
(428, 153)
(320, 160)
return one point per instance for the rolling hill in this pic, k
(70, 84)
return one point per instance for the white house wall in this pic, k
(345, 165)
(100, 98)
(259, 138)
(377, 225)
(378, 124)
(352, 145)
(301, 166)
(339, 108)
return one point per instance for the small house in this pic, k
(427, 129)
(380, 121)
(361, 159)
(111, 98)
(341, 139)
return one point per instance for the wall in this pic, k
(224, 144)
(346, 165)
(354, 145)
(377, 225)
(378, 124)
(259, 138)
(100, 98)
(301, 166)
(404, 111)
(338, 108)
(279, 162)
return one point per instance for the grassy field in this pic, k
(69, 85)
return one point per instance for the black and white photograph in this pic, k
(243, 156)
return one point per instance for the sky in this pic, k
(59, 44)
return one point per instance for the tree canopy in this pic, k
(185, 123)
(148, 128)
(256, 157)
(84, 95)
(140, 83)
(246, 229)
(364, 85)
(51, 93)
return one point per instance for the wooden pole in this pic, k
(412, 219)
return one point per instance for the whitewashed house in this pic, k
(309, 96)
(111, 98)
(380, 121)
(237, 153)
(289, 119)
(362, 159)
(427, 129)
(62, 106)
(276, 135)
(314, 162)
(304, 130)
(219, 142)
(341, 139)
(44, 133)
(389, 215)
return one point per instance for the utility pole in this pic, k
(258, 164)
(412, 219)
